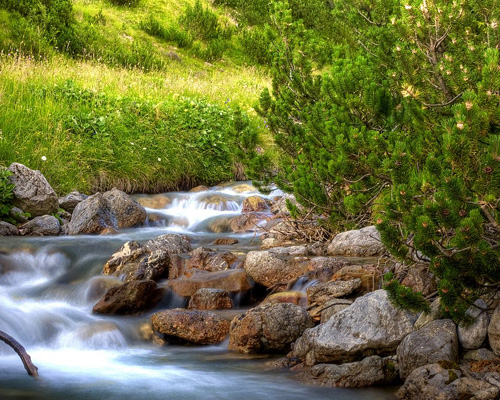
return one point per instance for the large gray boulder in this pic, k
(270, 269)
(7, 229)
(130, 298)
(128, 212)
(371, 325)
(370, 371)
(71, 200)
(192, 326)
(268, 328)
(46, 225)
(32, 193)
(92, 215)
(433, 381)
(361, 243)
(322, 292)
(473, 336)
(436, 341)
(494, 332)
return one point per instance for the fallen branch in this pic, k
(31, 369)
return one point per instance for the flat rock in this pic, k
(322, 292)
(371, 325)
(268, 328)
(193, 326)
(210, 299)
(32, 193)
(360, 243)
(436, 341)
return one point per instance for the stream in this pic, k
(47, 291)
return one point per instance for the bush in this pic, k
(6, 192)
(125, 3)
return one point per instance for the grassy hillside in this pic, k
(127, 106)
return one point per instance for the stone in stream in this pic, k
(435, 342)
(363, 242)
(225, 242)
(71, 200)
(269, 269)
(156, 202)
(369, 275)
(207, 260)
(7, 229)
(130, 298)
(370, 325)
(32, 193)
(192, 326)
(370, 371)
(293, 297)
(46, 225)
(232, 280)
(254, 203)
(210, 299)
(128, 212)
(268, 328)
(92, 215)
(246, 222)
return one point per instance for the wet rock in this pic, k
(32, 192)
(246, 222)
(369, 275)
(293, 297)
(371, 325)
(156, 202)
(215, 201)
(437, 341)
(322, 292)
(147, 333)
(370, 371)
(323, 268)
(360, 243)
(219, 225)
(207, 260)
(232, 280)
(225, 242)
(474, 335)
(433, 381)
(128, 212)
(170, 243)
(7, 229)
(199, 188)
(427, 317)
(46, 225)
(269, 269)
(92, 215)
(268, 328)
(243, 188)
(210, 299)
(294, 251)
(99, 285)
(130, 298)
(254, 203)
(71, 200)
(193, 326)
(494, 332)
(109, 231)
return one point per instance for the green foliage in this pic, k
(404, 297)
(6, 192)
(201, 22)
(126, 3)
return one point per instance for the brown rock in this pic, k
(322, 292)
(207, 260)
(243, 188)
(246, 222)
(92, 215)
(225, 242)
(293, 297)
(130, 298)
(369, 275)
(254, 203)
(210, 299)
(232, 280)
(193, 326)
(109, 231)
(199, 188)
(268, 328)
(323, 268)
(128, 212)
(156, 202)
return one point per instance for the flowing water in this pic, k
(49, 285)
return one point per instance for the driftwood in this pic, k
(31, 369)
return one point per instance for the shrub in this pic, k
(125, 3)
(6, 193)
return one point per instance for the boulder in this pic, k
(433, 381)
(322, 292)
(46, 225)
(473, 336)
(254, 203)
(210, 299)
(128, 212)
(323, 268)
(7, 229)
(232, 280)
(295, 251)
(92, 215)
(156, 202)
(130, 298)
(293, 297)
(330, 308)
(18, 215)
(371, 325)
(268, 328)
(426, 317)
(243, 188)
(370, 371)
(199, 188)
(71, 200)
(246, 222)
(156, 259)
(32, 193)
(494, 332)
(359, 243)
(225, 242)
(369, 275)
(269, 269)
(193, 326)
(418, 277)
(480, 355)
(207, 260)
(436, 341)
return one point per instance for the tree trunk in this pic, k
(31, 369)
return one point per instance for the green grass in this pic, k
(160, 121)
